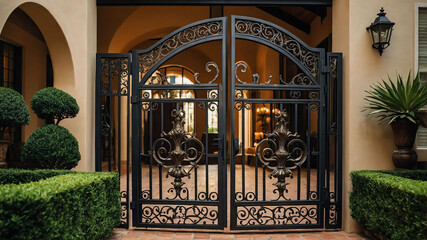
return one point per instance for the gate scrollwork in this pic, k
(284, 148)
(176, 148)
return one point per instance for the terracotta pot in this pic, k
(404, 132)
(422, 116)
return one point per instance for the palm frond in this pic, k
(389, 100)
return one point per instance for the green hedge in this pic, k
(52, 147)
(16, 176)
(65, 206)
(391, 203)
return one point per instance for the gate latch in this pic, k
(325, 68)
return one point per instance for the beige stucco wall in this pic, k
(69, 28)
(34, 53)
(367, 145)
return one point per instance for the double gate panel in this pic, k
(178, 167)
(283, 130)
(284, 163)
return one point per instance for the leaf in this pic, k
(388, 99)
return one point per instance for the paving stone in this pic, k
(135, 234)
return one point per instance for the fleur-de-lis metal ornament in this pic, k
(285, 149)
(178, 151)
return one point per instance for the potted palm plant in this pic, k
(398, 104)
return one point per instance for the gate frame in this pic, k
(322, 109)
(137, 86)
(325, 72)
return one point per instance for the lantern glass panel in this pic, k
(375, 31)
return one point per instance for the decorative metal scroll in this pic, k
(281, 39)
(183, 37)
(161, 79)
(124, 206)
(158, 79)
(114, 70)
(105, 122)
(180, 214)
(175, 148)
(239, 104)
(284, 148)
(299, 79)
(208, 69)
(279, 215)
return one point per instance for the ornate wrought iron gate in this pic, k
(284, 130)
(163, 102)
(294, 140)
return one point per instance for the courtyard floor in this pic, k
(133, 234)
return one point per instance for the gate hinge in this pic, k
(134, 99)
(132, 205)
(325, 68)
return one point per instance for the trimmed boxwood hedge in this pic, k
(16, 176)
(51, 147)
(60, 205)
(391, 203)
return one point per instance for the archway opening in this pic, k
(35, 55)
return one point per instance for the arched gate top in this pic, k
(185, 37)
(283, 41)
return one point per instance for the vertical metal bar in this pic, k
(150, 173)
(206, 148)
(298, 168)
(195, 182)
(243, 148)
(136, 122)
(263, 184)
(256, 177)
(327, 141)
(309, 149)
(232, 125)
(127, 141)
(322, 138)
(160, 167)
(339, 139)
(119, 126)
(222, 164)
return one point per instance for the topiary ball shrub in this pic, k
(52, 103)
(52, 147)
(13, 110)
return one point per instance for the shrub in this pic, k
(67, 206)
(52, 103)
(388, 203)
(52, 147)
(16, 176)
(13, 110)
(389, 101)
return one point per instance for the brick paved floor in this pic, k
(132, 234)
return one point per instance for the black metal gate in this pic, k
(288, 159)
(283, 129)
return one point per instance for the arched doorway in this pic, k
(34, 52)
(284, 161)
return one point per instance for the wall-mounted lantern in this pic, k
(380, 31)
